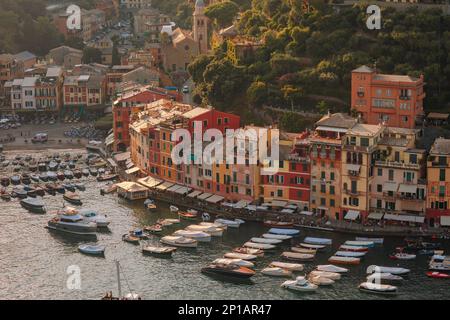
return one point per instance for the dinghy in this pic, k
(278, 224)
(229, 270)
(374, 240)
(230, 223)
(288, 266)
(173, 209)
(150, 204)
(157, 228)
(158, 251)
(214, 225)
(285, 232)
(383, 289)
(276, 236)
(367, 244)
(178, 241)
(95, 250)
(189, 215)
(318, 241)
(35, 205)
(213, 231)
(317, 247)
(276, 272)
(299, 284)
(344, 260)
(303, 250)
(243, 256)
(324, 274)
(256, 252)
(130, 238)
(393, 270)
(374, 277)
(402, 256)
(237, 262)
(297, 256)
(331, 268)
(321, 281)
(437, 275)
(197, 235)
(73, 198)
(353, 248)
(261, 246)
(350, 254)
(266, 241)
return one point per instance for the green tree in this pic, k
(222, 13)
(197, 67)
(292, 94)
(257, 93)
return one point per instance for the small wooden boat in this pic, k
(353, 248)
(266, 241)
(138, 233)
(318, 241)
(5, 181)
(39, 191)
(324, 274)
(68, 186)
(243, 256)
(344, 260)
(278, 224)
(157, 228)
(173, 209)
(196, 235)
(374, 240)
(321, 281)
(276, 236)
(300, 284)
(94, 250)
(285, 232)
(158, 251)
(237, 262)
(188, 215)
(150, 204)
(68, 174)
(243, 250)
(26, 179)
(437, 275)
(276, 272)
(107, 177)
(374, 277)
(295, 267)
(73, 198)
(130, 239)
(229, 270)
(35, 205)
(303, 250)
(350, 254)
(77, 174)
(178, 241)
(383, 289)
(331, 268)
(19, 193)
(402, 256)
(213, 231)
(367, 244)
(111, 188)
(317, 247)
(297, 256)
(15, 180)
(5, 196)
(60, 175)
(85, 172)
(261, 246)
(230, 223)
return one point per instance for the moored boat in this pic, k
(376, 288)
(60, 175)
(377, 277)
(230, 223)
(303, 250)
(35, 205)
(244, 250)
(173, 209)
(69, 187)
(402, 256)
(318, 241)
(5, 181)
(95, 250)
(381, 269)
(261, 246)
(437, 275)
(107, 177)
(178, 241)
(320, 281)
(265, 240)
(158, 251)
(213, 231)
(229, 270)
(188, 215)
(278, 224)
(73, 224)
(102, 221)
(85, 172)
(52, 176)
(276, 236)
(353, 248)
(243, 256)
(317, 247)
(350, 254)
(367, 244)
(73, 198)
(77, 174)
(331, 268)
(344, 260)
(150, 204)
(68, 174)
(130, 238)
(325, 274)
(374, 240)
(297, 256)
(286, 232)
(15, 180)
(276, 272)
(300, 284)
(237, 262)
(197, 235)
(295, 267)
(43, 176)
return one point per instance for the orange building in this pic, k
(396, 100)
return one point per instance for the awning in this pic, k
(375, 215)
(228, 204)
(445, 221)
(332, 129)
(255, 208)
(149, 182)
(404, 218)
(292, 206)
(174, 188)
(194, 194)
(122, 156)
(408, 188)
(306, 213)
(204, 196)
(287, 211)
(131, 186)
(215, 199)
(183, 190)
(275, 203)
(164, 186)
(352, 215)
(241, 204)
(132, 170)
(323, 208)
(353, 167)
(390, 186)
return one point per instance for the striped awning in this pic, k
(408, 188)
(352, 215)
(194, 194)
(404, 218)
(204, 196)
(174, 188)
(164, 186)
(375, 215)
(183, 190)
(215, 199)
(241, 204)
(390, 186)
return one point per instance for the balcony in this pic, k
(323, 155)
(360, 94)
(396, 164)
(404, 98)
(352, 192)
(439, 164)
(297, 158)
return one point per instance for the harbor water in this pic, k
(38, 264)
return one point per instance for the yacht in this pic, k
(73, 224)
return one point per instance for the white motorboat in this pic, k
(344, 260)
(178, 241)
(276, 272)
(173, 209)
(297, 256)
(158, 251)
(197, 235)
(266, 241)
(353, 248)
(318, 241)
(35, 205)
(439, 262)
(392, 270)
(90, 215)
(95, 250)
(331, 268)
(374, 240)
(243, 256)
(367, 244)
(213, 231)
(402, 256)
(284, 232)
(374, 277)
(317, 247)
(324, 274)
(230, 223)
(74, 224)
(321, 281)
(276, 236)
(214, 225)
(288, 266)
(350, 254)
(303, 250)
(300, 284)
(376, 288)
(237, 262)
(261, 246)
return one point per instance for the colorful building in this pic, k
(396, 100)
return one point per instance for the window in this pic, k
(331, 189)
(380, 172)
(391, 175)
(379, 188)
(332, 203)
(332, 176)
(364, 142)
(442, 175)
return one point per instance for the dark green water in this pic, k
(34, 261)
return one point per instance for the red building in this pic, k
(396, 100)
(132, 101)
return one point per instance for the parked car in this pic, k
(185, 89)
(40, 137)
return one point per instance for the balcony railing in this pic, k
(352, 192)
(396, 164)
